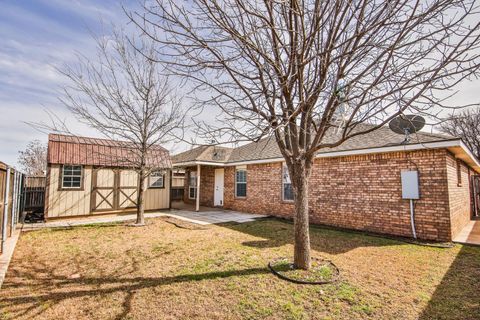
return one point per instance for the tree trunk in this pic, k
(301, 258)
(140, 199)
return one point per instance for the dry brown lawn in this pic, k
(162, 271)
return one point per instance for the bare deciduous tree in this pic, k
(34, 158)
(312, 73)
(465, 125)
(123, 95)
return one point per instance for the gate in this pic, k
(476, 195)
(34, 194)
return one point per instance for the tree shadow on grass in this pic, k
(278, 232)
(456, 297)
(458, 294)
(31, 304)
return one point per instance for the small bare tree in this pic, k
(465, 125)
(123, 95)
(33, 159)
(311, 73)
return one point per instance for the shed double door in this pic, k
(113, 189)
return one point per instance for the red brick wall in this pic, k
(207, 185)
(459, 194)
(264, 191)
(358, 192)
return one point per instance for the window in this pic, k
(157, 179)
(71, 177)
(287, 190)
(241, 183)
(459, 173)
(192, 185)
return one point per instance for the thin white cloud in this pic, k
(32, 46)
(86, 9)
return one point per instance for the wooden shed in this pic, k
(87, 176)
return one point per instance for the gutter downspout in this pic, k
(412, 219)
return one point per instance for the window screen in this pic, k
(287, 185)
(241, 183)
(157, 179)
(192, 185)
(72, 177)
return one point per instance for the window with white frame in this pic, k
(157, 179)
(192, 185)
(241, 182)
(71, 177)
(287, 190)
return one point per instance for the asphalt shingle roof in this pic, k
(204, 153)
(267, 148)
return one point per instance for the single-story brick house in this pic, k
(356, 185)
(87, 176)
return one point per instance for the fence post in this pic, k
(5, 208)
(14, 190)
(13, 223)
(21, 190)
(24, 200)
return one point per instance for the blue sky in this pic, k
(38, 36)
(35, 38)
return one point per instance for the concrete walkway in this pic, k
(202, 218)
(7, 254)
(470, 234)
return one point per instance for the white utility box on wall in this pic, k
(410, 185)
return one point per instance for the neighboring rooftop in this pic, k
(267, 148)
(65, 149)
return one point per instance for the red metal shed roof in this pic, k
(64, 149)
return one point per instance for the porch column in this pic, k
(197, 204)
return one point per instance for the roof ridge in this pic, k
(92, 141)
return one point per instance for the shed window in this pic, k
(157, 179)
(286, 185)
(72, 177)
(192, 185)
(241, 183)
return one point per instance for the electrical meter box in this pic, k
(410, 185)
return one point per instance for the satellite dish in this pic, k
(407, 124)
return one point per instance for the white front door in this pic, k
(218, 193)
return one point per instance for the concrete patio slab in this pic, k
(470, 234)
